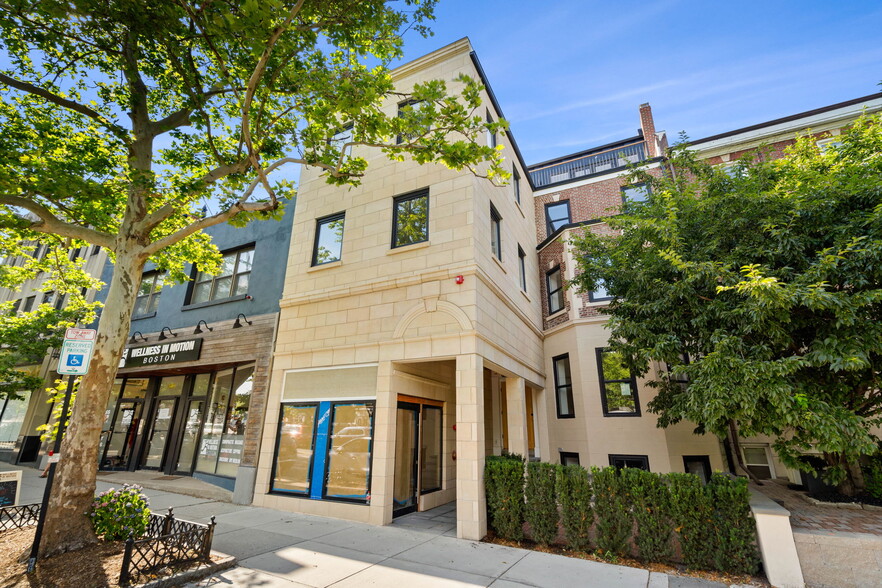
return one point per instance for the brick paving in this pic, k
(805, 515)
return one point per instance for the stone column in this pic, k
(516, 401)
(471, 503)
(383, 468)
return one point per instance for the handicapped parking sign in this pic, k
(76, 352)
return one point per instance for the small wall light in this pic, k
(134, 339)
(238, 323)
(163, 336)
(199, 329)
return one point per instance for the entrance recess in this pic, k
(418, 457)
(161, 421)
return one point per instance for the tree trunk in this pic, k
(68, 526)
(736, 449)
(853, 483)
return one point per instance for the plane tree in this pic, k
(757, 291)
(134, 124)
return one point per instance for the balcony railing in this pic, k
(588, 165)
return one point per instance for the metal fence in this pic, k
(167, 542)
(18, 517)
(588, 165)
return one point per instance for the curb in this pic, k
(203, 571)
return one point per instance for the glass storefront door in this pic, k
(406, 459)
(123, 434)
(163, 416)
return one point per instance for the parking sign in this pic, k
(76, 352)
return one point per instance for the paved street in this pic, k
(278, 549)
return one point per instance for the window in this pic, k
(756, 458)
(636, 193)
(599, 293)
(16, 304)
(410, 219)
(328, 239)
(618, 388)
(339, 139)
(563, 387)
(223, 432)
(522, 268)
(148, 293)
(554, 285)
(640, 462)
(698, 465)
(324, 450)
(557, 214)
(231, 280)
(410, 110)
(491, 135)
(516, 182)
(495, 232)
(569, 458)
(829, 143)
(96, 249)
(29, 304)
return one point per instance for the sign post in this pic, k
(76, 353)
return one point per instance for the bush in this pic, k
(652, 512)
(541, 501)
(734, 529)
(693, 515)
(504, 484)
(612, 506)
(575, 493)
(119, 514)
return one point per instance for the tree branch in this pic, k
(206, 222)
(50, 224)
(121, 133)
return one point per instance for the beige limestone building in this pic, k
(410, 339)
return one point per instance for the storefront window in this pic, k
(193, 421)
(12, 413)
(233, 440)
(350, 452)
(294, 457)
(214, 422)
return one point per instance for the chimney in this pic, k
(647, 125)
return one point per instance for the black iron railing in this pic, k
(18, 517)
(167, 542)
(588, 165)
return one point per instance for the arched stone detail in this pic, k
(432, 305)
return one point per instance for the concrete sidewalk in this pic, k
(279, 549)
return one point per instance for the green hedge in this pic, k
(541, 501)
(626, 512)
(504, 484)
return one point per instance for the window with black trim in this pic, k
(339, 139)
(563, 387)
(231, 280)
(636, 192)
(149, 290)
(618, 387)
(29, 304)
(410, 219)
(698, 465)
(328, 239)
(599, 293)
(640, 462)
(554, 286)
(516, 182)
(495, 232)
(569, 458)
(491, 135)
(409, 109)
(557, 214)
(522, 268)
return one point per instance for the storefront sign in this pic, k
(161, 353)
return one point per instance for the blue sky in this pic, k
(570, 74)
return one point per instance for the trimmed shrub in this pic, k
(612, 507)
(734, 529)
(693, 515)
(541, 503)
(120, 514)
(575, 493)
(504, 484)
(652, 511)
